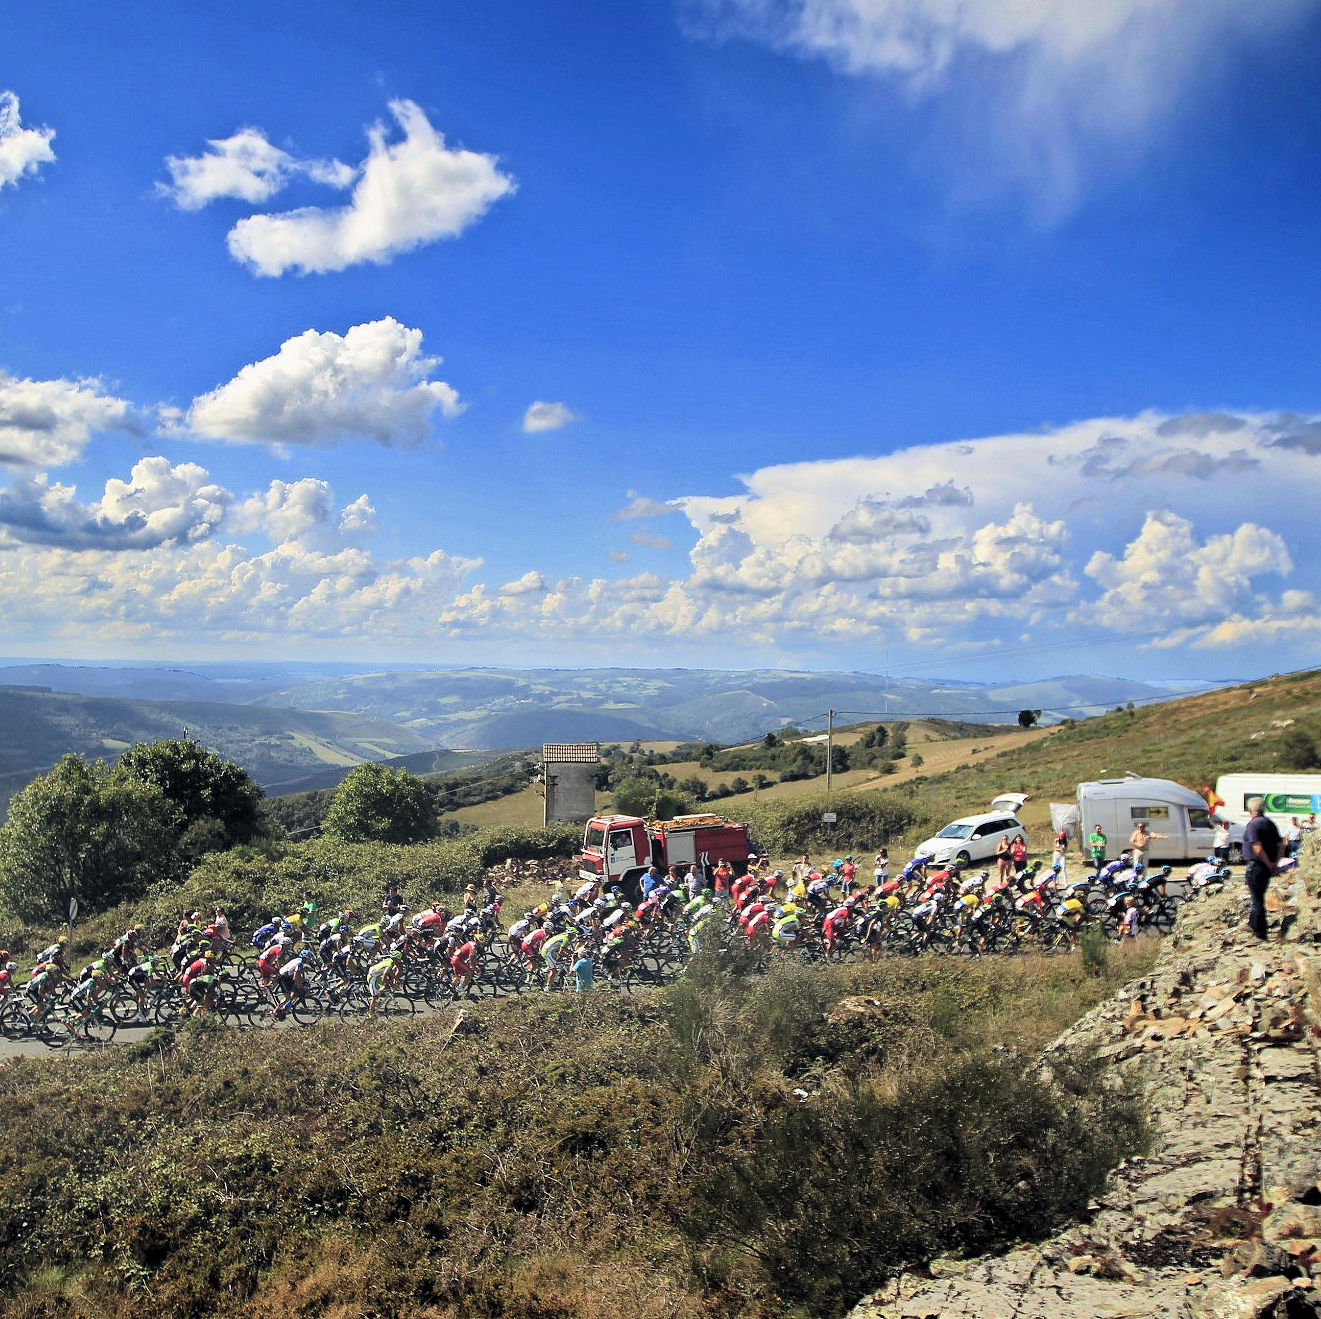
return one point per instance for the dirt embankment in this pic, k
(1223, 1216)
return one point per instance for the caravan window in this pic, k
(1149, 812)
(1199, 817)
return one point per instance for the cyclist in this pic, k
(554, 953)
(268, 964)
(261, 936)
(53, 959)
(706, 916)
(86, 992)
(40, 989)
(786, 927)
(147, 975)
(197, 988)
(463, 963)
(531, 946)
(835, 926)
(292, 981)
(126, 950)
(382, 975)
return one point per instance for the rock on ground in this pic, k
(1222, 1220)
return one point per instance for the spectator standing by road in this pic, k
(1139, 843)
(1220, 839)
(1262, 847)
(1002, 857)
(1293, 836)
(1097, 846)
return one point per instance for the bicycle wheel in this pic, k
(15, 1020)
(306, 1009)
(1162, 916)
(99, 1028)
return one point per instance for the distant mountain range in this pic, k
(299, 726)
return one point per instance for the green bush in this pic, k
(864, 821)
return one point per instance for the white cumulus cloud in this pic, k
(246, 166)
(547, 417)
(46, 423)
(408, 193)
(371, 383)
(1164, 576)
(160, 504)
(22, 150)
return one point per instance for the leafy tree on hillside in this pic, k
(650, 800)
(1026, 718)
(84, 831)
(375, 804)
(219, 804)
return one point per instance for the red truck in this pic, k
(617, 849)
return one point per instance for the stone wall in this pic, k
(1223, 1216)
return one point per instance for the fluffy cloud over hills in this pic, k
(1177, 530)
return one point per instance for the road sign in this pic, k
(73, 909)
(828, 818)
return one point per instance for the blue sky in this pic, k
(829, 333)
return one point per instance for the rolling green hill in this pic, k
(38, 726)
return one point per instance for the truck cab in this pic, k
(616, 850)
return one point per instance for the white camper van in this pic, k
(1284, 795)
(1167, 807)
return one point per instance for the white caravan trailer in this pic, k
(1167, 807)
(1285, 795)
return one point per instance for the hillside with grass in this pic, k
(757, 1147)
(38, 726)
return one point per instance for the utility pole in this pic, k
(830, 750)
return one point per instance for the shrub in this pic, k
(863, 821)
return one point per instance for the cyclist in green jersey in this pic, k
(382, 975)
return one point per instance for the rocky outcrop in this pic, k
(1223, 1216)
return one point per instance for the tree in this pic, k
(693, 787)
(839, 759)
(770, 741)
(84, 832)
(219, 805)
(1026, 718)
(374, 804)
(648, 799)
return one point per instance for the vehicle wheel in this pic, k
(965, 857)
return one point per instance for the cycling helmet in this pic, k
(11, 966)
(210, 957)
(625, 906)
(599, 904)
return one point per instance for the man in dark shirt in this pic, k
(1262, 847)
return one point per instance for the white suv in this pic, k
(975, 837)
